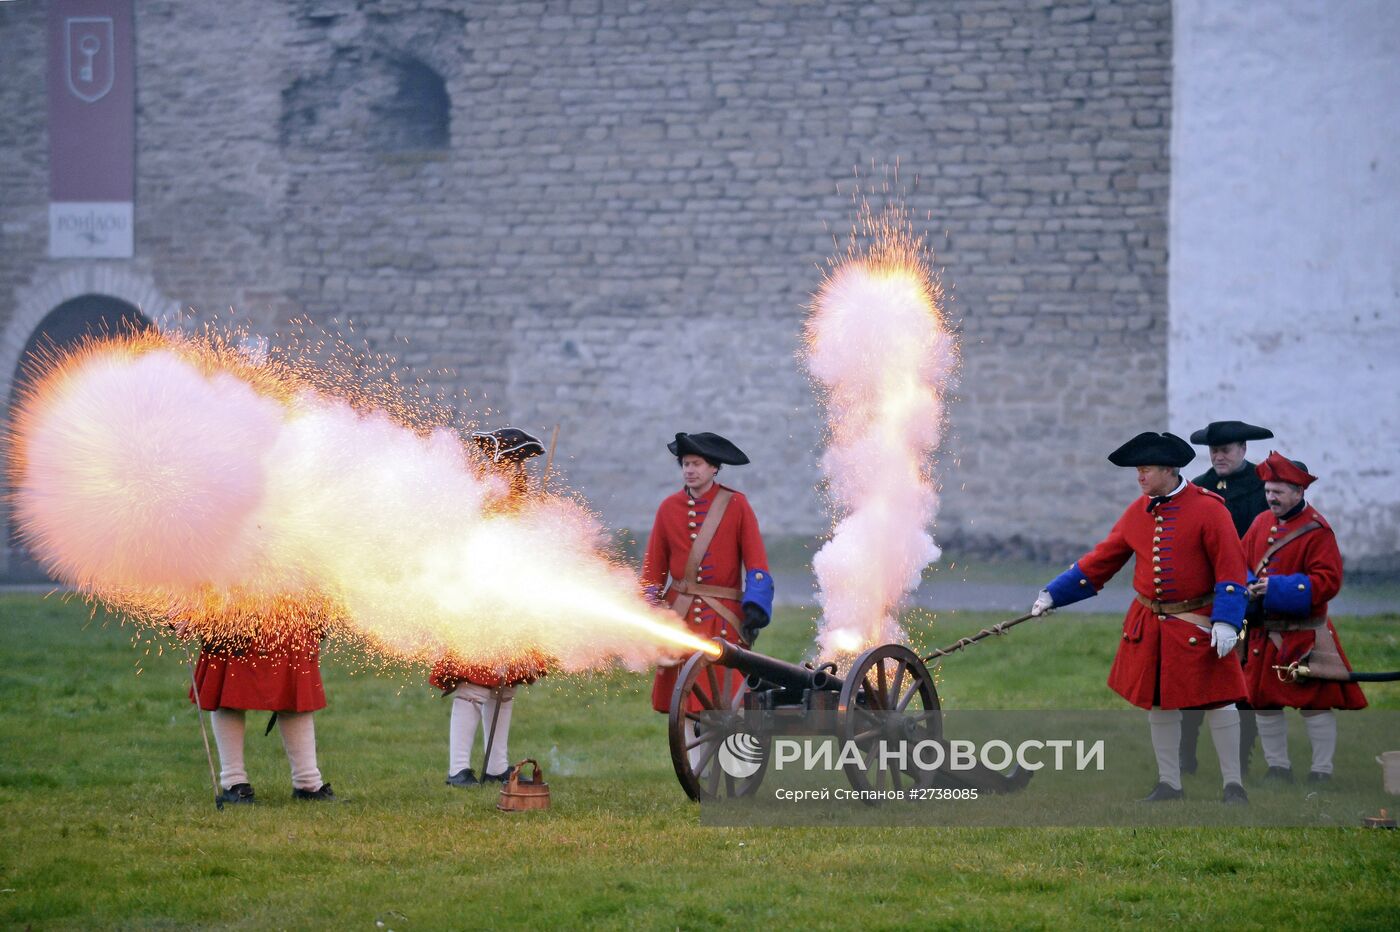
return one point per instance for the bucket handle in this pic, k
(537, 775)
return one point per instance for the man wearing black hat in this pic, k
(1234, 479)
(1180, 631)
(1231, 476)
(706, 540)
(483, 694)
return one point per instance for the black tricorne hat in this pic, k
(1219, 433)
(507, 443)
(712, 447)
(1153, 449)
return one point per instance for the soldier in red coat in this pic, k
(277, 672)
(706, 540)
(1296, 569)
(1189, 577)
(484, 694)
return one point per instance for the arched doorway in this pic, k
(65, 326)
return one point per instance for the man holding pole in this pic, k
(1176, 647)
(1296, 570)
(484, 695)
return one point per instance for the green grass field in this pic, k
(106, 818)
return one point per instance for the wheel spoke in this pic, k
(865, 736)
(899, 672)
(703, 739)
(904, 699)
(729, 785)
(712, 778)
(715, 691)
(708, 756)
(707, 701)
(872, 698)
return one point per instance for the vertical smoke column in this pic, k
(880, 353)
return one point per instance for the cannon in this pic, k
(887, 692)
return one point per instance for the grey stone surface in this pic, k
(632, 207)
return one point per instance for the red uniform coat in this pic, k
(1310, 570)
(448, 674)
(737, 547)
(285, 677)
(1184, 549)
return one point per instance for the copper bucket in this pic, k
(518, 795)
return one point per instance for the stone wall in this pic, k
(610, 216)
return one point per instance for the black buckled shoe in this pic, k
(497, 777)
(463, 778)
(1278, 775)
(324, 794)
(1163, 792)
(1314, 776)
(240, 794)
(1234, 795)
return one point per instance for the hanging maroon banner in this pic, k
(92, 128)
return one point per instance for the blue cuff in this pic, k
(1231, 599)
(1289, 595)
(758, 589)
(1070, 586)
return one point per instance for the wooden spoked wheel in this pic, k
(706, 711)
(888, 696)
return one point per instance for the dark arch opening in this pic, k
(418, 115)
(62, 328)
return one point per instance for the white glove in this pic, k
(1043, 603)
(1223, 638)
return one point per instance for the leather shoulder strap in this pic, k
(706, 533)
(1286, 539)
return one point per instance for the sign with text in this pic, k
(92, 128)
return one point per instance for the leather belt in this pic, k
(699, 589)
(1174, 608)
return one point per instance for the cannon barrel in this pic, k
(775, 671)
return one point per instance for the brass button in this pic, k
(1159, 519)
(1085, 582)
(1125, 637)
(1159, 590)
(1156, 579)
(1156, 549)
(693, 535)
(1266, 561)
(691, 502)
(1274, 529)
(699, 578)
(1156, 559)
(1156, 540)
(690, 514)
(691, 524)
(1256, 652)
(1301, 587)
(1191, 641)
(757, 575)
(1271, 540)
(1161, 617)
(1229, 588)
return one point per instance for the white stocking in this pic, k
(468, 700)
(1322, 733)
(1225, 733)
(299, 740)
(1166, 744)
(1273, 735)
(500, 752)
(228, 736)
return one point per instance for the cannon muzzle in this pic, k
(775, 672)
